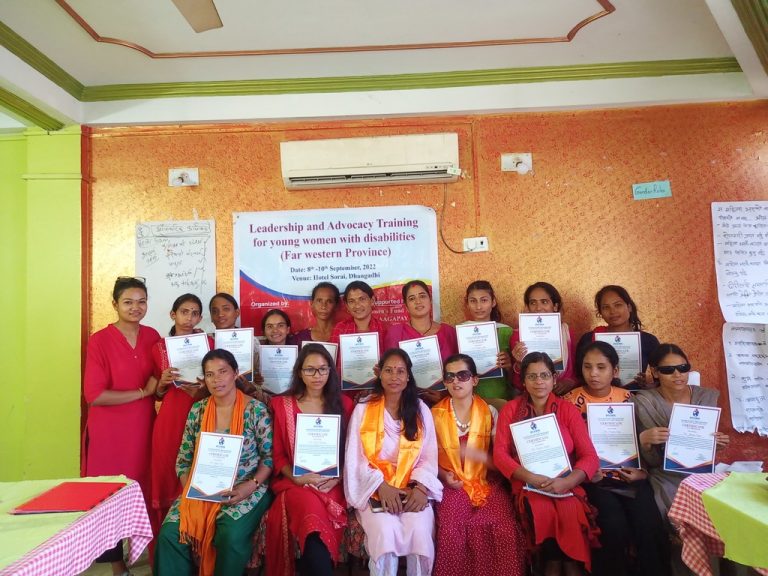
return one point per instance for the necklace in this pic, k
(463, 427)
(431, 324)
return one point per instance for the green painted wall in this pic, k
(40, 239)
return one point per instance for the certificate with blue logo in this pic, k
(185, 353)
(690, 448)
(542, 333)
(480, 341)
(613, 433)
(277, 366)
(359, 353)
(540, 446)
(239, 341)
(427, 363)
(627, 346)
(215, 467)
(317, 445)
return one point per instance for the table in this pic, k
(67, 544)
(699, 537)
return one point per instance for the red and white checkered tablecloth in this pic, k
(699, 537)
(121, 516)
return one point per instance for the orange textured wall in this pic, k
(571, 222)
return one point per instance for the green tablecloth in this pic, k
(738, 508)
(22, 534)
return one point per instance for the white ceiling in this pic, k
(638, 30)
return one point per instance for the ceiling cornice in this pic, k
(417, 81)
(754, 17)
(23, 109)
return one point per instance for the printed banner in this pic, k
(280, 256)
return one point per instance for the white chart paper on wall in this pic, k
(176, 257)
(746, 362)
(740, 234)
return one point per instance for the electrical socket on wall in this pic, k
(478, 244)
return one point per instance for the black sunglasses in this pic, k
(462, 375)
(668, 370)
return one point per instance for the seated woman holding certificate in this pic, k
(219, 533)
(480, 300)
(653, 409)
(186, 313)
(543, 298)
(614, 305)
(309, 509)
(623, 496)
(390, 470)
(476, 507)
(561, 525)
(323, 304)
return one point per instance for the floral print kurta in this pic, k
(257, 449)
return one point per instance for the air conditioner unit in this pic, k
(374, 161)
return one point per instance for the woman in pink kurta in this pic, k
(119, 389)
(400, 476)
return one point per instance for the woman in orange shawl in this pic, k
(309, 509)
(219, 534)
(476, 506)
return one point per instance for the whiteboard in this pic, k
(176, 257)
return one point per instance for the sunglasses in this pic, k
(462, 375)
(129, 278)
(668, 370)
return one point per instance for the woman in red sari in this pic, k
(186, 314)
(561, 526)
(309, 510)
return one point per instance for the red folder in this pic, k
(69, 497)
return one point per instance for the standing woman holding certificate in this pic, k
(359, 299)
(176, 399)
(614, 305)
(653, 409)
(543, 298)
(481, 304)
(219, 533)
(561, 526)
(276, 326)
(476, 506)
(119, 387)
(390, 470)
(309, 510)
(325, 299)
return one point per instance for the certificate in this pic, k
(239, 341)
(613, 433)
(627, 345)
(690, 448)
(427, 363)
(480, 341)
(542, 333)
(277, 366)
(330, 346)
(216, 460)
(317, 445)
(185, 353)
(540, 447)
(359, 354)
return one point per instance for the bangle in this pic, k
(258, 483)
(421, 489)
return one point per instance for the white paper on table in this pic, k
(740, 466)
(613, 433)
(277, 366)
(317, 445)
(628, 347)
(540, 446)
(359, 353)
(330, 346)
(690, 448)
(542, 333)
(427, 364)
(185, 353)
(480, 341)
(216, 460)
(239, 341)
(746, 366)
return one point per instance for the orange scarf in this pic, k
(472, 474)
(197, 523)
(372, 438)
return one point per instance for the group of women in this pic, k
(431, 477)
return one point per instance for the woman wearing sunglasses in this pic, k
(653, 409)
(390, 470)
(476, 506)
(309, 510)
(560, 526)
